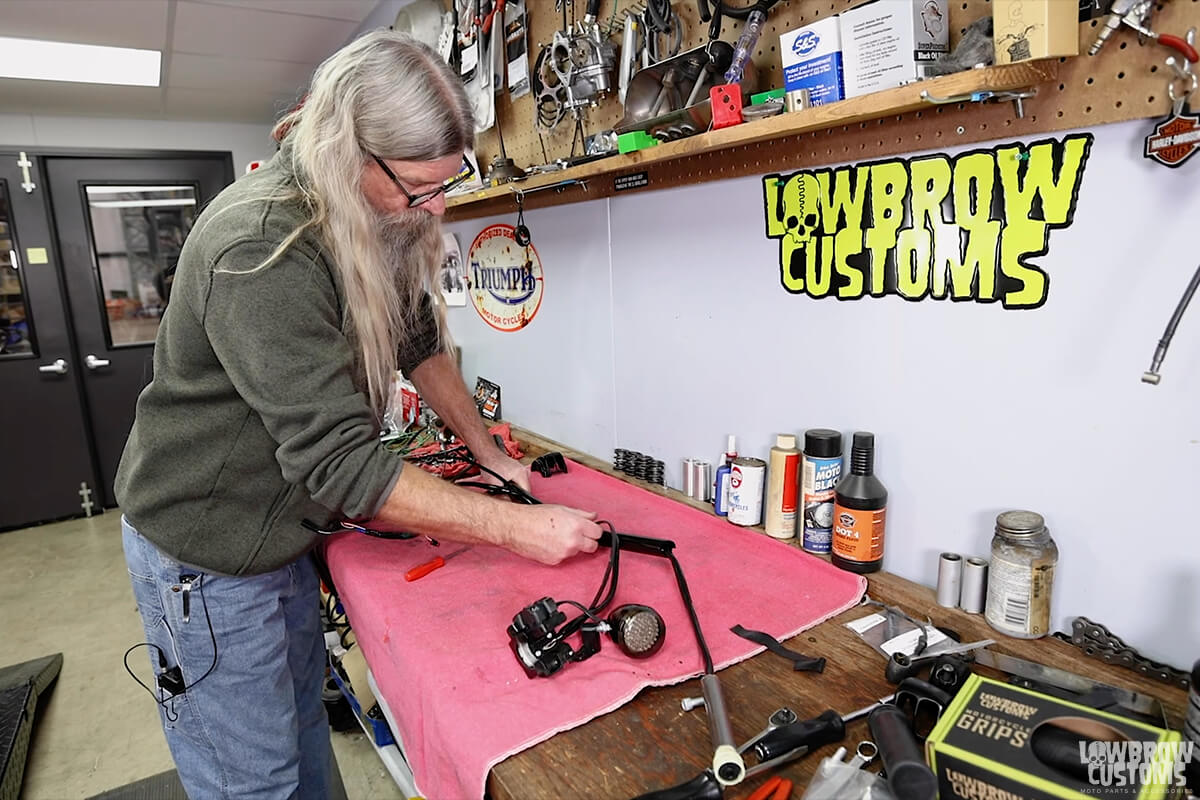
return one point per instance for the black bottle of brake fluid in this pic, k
(859, 510)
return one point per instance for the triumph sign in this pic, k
(505, 279)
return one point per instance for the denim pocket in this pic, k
(137, 555)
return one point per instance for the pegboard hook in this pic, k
(1017, 98)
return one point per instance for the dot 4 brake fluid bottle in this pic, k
(859, 508)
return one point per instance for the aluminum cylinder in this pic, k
(949, 579)
(974, 586)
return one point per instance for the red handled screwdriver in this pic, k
(421, 570)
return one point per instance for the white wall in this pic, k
(556, 375)
(246, 142)
(684, 334)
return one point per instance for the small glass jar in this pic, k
(1021, 577)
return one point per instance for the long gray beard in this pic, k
(412, 245)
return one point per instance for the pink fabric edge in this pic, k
(613, 707)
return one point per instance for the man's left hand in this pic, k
(509, 468)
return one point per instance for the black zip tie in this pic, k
(800, 662)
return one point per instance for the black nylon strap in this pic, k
(800, 662)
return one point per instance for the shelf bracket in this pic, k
(558, 186)
(1017, 97)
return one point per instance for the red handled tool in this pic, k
(764, 792)
(776, 788)
(1136, 14)
(421, 570)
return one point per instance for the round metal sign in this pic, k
(505, 279)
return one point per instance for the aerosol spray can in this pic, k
(821, 470)
(858, 511)
(782, 487)
(721, 484)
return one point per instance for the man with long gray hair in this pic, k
(300, 291)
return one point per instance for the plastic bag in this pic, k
(836, 780)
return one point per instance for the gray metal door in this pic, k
(45, 460)
(121, 223)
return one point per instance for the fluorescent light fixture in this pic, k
(140, 203)
(34, 59)
(98, 189)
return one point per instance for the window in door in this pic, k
(137, 233)
(16, 324)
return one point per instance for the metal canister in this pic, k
(689, 477)
(747, 477)
(701, 479)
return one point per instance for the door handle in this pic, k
(58, 367)
(91, 362)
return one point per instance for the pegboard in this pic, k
(527, 147)
(1126, 80)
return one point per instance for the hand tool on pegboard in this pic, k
(1136, 14)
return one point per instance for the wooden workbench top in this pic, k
(651, 743)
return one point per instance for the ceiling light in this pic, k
(33, 59)
(102, 189)
(140, 203)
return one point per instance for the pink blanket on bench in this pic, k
(441, 657)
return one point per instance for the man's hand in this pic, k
(509, 468)
(554, 533)
(549, 534)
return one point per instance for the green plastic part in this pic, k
(635, 140)
(762, 97)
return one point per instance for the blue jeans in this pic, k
(254, 727)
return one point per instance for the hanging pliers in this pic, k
(1136, 14)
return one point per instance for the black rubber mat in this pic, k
(41, 672)
(21, 686)
(16, 723)
(165, 786)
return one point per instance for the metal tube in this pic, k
(701, 479)
(949, 580)
(974, 586)
(1160, 352)
(728, 765)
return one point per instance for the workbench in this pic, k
(651, 743)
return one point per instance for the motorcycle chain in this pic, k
(1097, 641)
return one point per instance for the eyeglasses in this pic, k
(465, 171)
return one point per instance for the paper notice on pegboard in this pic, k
(516, 37)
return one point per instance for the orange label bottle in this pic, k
(859, 511)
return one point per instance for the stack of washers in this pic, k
(639, 465)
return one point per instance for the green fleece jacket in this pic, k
(254, 420)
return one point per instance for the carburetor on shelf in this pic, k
(574, 71)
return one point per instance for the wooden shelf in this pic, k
(902, 99)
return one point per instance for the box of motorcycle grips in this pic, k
(1001, 742)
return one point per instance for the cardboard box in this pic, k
(888, 43)
(812, 60)
(993, 740)
(1025, 29)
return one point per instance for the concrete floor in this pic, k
(64, 588)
